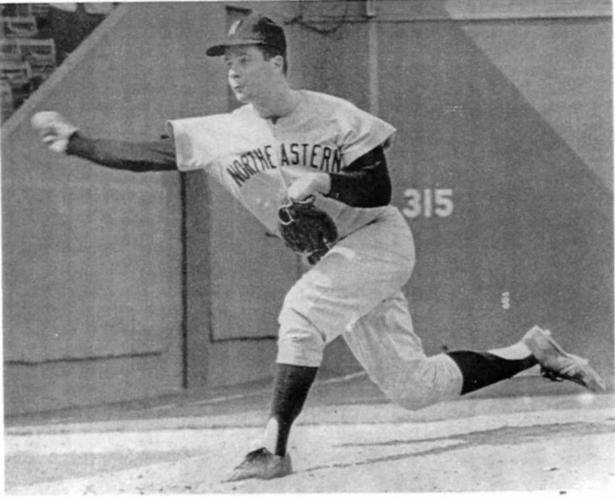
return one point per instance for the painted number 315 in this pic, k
(428, 202)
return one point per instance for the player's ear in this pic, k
(278, 61)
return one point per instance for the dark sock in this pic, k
(480, 369)
(290, 391)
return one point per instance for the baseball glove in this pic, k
(306, 229)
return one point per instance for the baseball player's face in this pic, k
(249, 75)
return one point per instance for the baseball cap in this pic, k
(254, 29)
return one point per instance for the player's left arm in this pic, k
(364, 183)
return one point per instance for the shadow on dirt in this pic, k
(505, 435)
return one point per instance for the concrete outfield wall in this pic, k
(497, 116)
(93, 257)
(503, 116)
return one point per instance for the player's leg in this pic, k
(300, 351)
(319, 307)
(480, 369)
(290, 390)
(385, 344)
(536, 347)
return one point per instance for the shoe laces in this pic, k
(252, 457)
(571, 370)
(551, 375)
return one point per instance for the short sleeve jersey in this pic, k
(257, 159)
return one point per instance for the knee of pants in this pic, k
(299, 341)
(429, 381)
(414, 399)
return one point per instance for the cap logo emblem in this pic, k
(234, 27)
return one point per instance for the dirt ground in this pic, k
(349, 439)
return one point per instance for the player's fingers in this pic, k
(58, 146)
(292, 193)
(307, 199)
(46, 132)
(299, 192)
(299, 189)
(48, 138)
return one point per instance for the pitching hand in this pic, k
(309, 184)
(53, 129)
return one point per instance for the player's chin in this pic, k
(242, 97)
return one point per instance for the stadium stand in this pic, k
(35, 39)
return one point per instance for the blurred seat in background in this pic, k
(7, 99)
(36, 38)
(70, 23)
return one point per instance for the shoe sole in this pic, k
(240, 475)
(587, 377)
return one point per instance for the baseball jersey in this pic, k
(258, 159)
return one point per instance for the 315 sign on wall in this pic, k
(428, 202)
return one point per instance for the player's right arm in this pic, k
(62, 136)
(123, 155)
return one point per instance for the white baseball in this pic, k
(42, 119)
(53, 129)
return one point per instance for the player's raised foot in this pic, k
(556, 364)
(262, 464)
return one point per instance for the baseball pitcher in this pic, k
(312, 168)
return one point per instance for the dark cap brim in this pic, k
(220, 49)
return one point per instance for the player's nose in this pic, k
(233, 71)
(233, 75)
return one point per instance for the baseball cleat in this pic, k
(262, 464)
(557, 365)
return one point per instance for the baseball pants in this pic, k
(355, 291)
